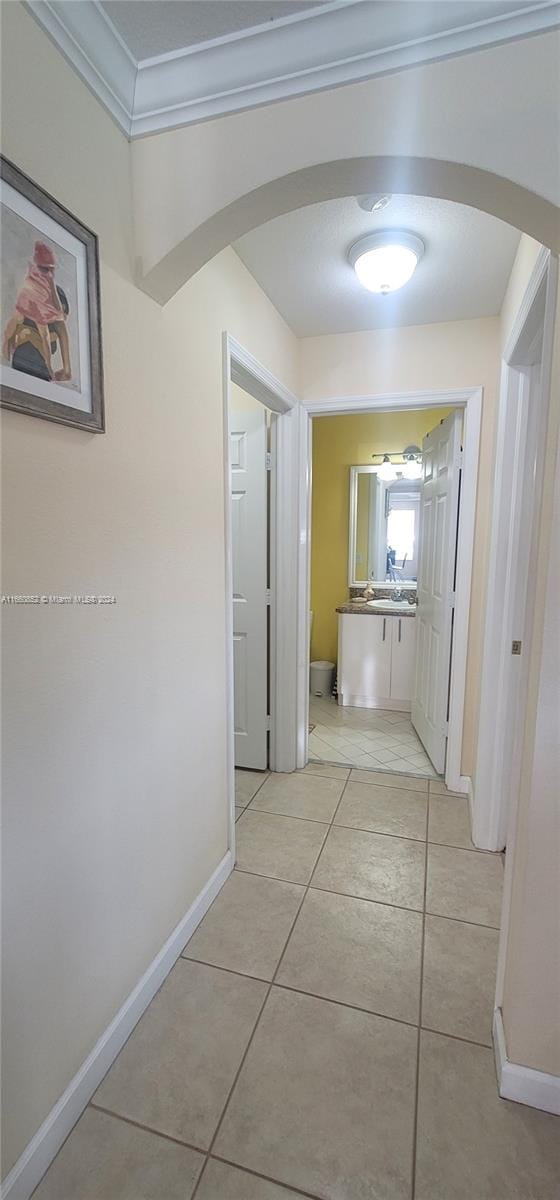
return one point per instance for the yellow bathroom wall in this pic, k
(338, 444)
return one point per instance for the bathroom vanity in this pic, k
(376, 657)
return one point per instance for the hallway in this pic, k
(327, 1031)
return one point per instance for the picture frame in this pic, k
(51, 362)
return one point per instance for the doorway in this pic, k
(452, 688)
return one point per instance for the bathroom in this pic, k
(373, 704)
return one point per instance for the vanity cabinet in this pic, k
(376, 660)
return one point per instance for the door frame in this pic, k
(517, 488)
(241, 367)
(470, 399)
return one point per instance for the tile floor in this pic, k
(327, 1031)
(370, 738)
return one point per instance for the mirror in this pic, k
(384, 529)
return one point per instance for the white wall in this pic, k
(456, 354)
(531, 980)
(114, 721)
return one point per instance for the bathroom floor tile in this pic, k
(371, 738)
(382, 809)
(310, 796)
(356, 952)
(247, 783)
(471, 1144)
(459, 979)
(449, 821)
(465, 884)
(325, 1100)
(176, 1069)
(106, 1159)
(247, 926)
(280, 847)
(372, 866)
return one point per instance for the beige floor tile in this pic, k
(464, 884)
(310, 796)
(176, 1069)
(325, 1100)
(328, 772)
(223, 1182)
(449, 821)
(106, 1159)
(281, 847)
(414, 783)
(238, 811)
(438, 788)
(373, 866)
(246, 784)
(471, 1144)
(459, 979)
(247, 926)
(383, 810)
(356, 952)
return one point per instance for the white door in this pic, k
(249, 569)
(403, 659)
(439, 511)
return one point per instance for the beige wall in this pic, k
(457, 354)
(531, 950)
(114, 720)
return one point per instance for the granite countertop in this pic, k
(364, 609)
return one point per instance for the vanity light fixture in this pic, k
(386, 260)
(387, 472)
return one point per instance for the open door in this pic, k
(249, 507)
(439, 514)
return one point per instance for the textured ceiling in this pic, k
(151, 27)
(300, 262)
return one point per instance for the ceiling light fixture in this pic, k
(385, 261)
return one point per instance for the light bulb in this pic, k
(387, 472)
(412, 468)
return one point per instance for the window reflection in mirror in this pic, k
(384, 528)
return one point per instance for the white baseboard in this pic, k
(43, 1147)
(459, 783)
(523, 1084)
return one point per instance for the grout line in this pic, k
(289, 1187)
(168, 1137)
(261, 1010)
(422, 947)
(261, 784)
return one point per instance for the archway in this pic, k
(436, 178)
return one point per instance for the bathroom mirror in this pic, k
(383, 541)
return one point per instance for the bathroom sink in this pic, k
(389, 605)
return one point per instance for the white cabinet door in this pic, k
(249, 554)
(403, 658)
(441, 454)
(364, 657)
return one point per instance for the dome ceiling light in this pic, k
(385, 261)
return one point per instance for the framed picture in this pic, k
(50, 321)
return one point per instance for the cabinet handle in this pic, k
(400, 619)
(384, 624)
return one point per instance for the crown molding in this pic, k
(248, 69)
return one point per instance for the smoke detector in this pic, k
(374, 203)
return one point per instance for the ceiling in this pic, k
(150, 27)
(300, 262)
(159, 64)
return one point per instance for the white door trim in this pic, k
(241, 367)
(491, 801)
(470, 399)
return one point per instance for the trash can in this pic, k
(321, 678)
